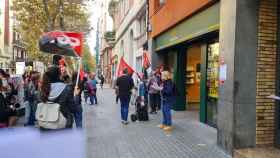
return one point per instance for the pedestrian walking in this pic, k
(92, 87)
(102, 80)
(85, 89)
(168, 93)
(55, 92)
(125, 85)
(32, 96)
(78, 115)
(115, 87)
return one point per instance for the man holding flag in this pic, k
(124, 84)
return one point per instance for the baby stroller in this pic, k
(141, 113)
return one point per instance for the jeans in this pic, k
(166, 113)
(124, 107)
(93, 99)
(31, 113)
(158, 101)
(78, 116)
(117, 99)
(153, 102)
(27, 111)
(86, 97)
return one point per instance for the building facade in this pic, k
(130, 24)
(224, 55)
(19, 48)
(6, 19)
(2, 15)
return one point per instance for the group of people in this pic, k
(32, 90)
(156, 92)
(9, 99)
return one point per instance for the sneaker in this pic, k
(124, 122)
(161, 126)
(168, 128)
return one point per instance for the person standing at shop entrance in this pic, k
(125, 85)
(168, 93)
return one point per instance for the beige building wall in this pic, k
(128, 32)
(2, 11)
(6, 50)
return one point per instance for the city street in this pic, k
(212, 65)
(106, 137)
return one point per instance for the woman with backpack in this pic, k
(92, 88)
(56, 95)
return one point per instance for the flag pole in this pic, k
(79, 71)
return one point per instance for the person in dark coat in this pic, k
(102, 80)
(125, 85)
(8, 115)
(78, 115)
(168, 99)
(53, 89)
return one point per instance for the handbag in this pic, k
(49, 116)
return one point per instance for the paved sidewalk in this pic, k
(106, 137)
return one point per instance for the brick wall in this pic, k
(266, 74)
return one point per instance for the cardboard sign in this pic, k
(20, 68)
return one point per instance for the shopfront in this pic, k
(202, 78)
(191, 53)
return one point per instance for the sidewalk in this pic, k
(257, 153)
(108, 138)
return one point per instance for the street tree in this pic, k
(34, 17)
(88, 60)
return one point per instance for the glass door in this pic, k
(212, 83)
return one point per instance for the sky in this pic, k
(95, 10)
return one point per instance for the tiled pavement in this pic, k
(106, 137)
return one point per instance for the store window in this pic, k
(212, 83)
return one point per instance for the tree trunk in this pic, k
(61, 17)
(46, 9)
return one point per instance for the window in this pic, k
(161, 2)
(142, 24)
(139, 64)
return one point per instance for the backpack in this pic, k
(90, 87)
(49, 116)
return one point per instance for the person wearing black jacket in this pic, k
(78, 115)
(125, 85)
(54, 90)
(8, 114)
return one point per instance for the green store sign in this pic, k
(199, 24)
